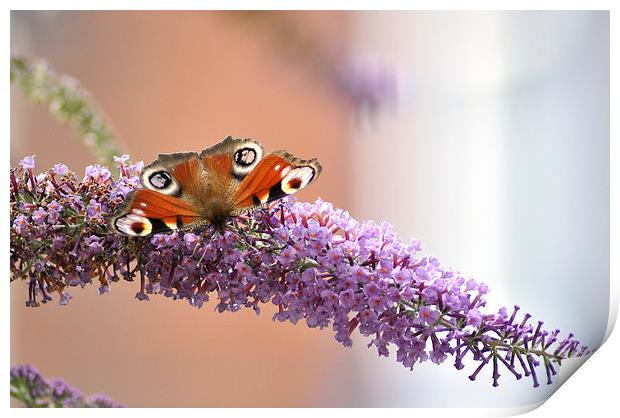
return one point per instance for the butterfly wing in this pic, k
(277, 175)
(177, 175)
(149, 212)
(168, 200)
(232, 158)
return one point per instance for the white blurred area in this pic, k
(497, 159)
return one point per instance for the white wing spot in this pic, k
(299, 177)
(285, 171)
(130, 223)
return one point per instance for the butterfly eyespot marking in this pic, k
(245, 156)
(133, 224)
(297, 179)
(294, 183)
(160, 179)
(245, 159)
(137, 227)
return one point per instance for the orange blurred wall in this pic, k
(176, 81)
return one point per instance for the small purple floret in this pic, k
(27, 163)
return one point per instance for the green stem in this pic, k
(19, 391)
(69, 103)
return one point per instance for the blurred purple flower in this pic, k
(366, 85)
(29, 386)
(313, 262)
(102, 401)
(30, 377)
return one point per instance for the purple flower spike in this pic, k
(30, 377)
(29, 386)
(313, 262)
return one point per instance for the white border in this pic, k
(314, 5)
(588, 392)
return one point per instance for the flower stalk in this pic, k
(68, 102)
(313, 262)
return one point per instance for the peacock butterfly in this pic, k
(187, 189)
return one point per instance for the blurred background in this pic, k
(483, 134)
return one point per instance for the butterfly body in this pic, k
(184, 190)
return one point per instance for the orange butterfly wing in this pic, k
(275, 176)
(148, 212)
